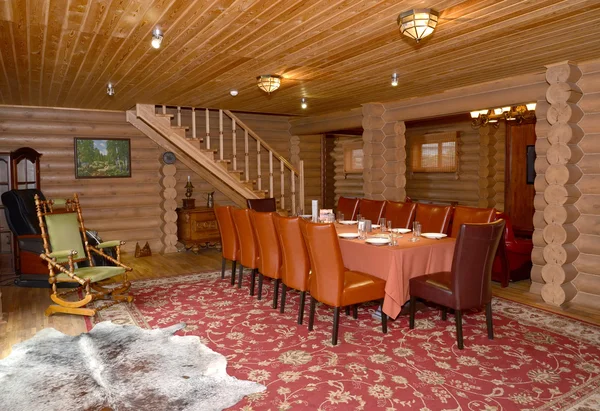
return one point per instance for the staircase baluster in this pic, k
(234, 147)
(164, 109)
(178, 116)
(207, 129)
(258, 170)
(270, 173)
(282, 176)
(293, 188)
(301, 166)
(193, 123)
(220, 134)
(246, 156)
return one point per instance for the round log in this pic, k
(92, 213)
(560, 234)
(538, 221)
(171, 239)
(541, 146)
(540, 165)
(588, 244)
(590, 82)
(536, 274)
(562, 73)
(125, 224)
(590, 103)
(589, 184)
(537, 256)
(540, 183)
(590, 164)
(24, 113)
(552, 273)
(588, 224)
(590, 124)
(557, 214)
(539, 202)
(563, 174)
(563, 92)
(538, 237)
(560, 254)
(170, 228)
(542, 127)
(557, 295)
(169, 170)
(559, 194)
(589, 204)
(83, 129)
(62, 191)
(588, 263)
(588, 284)
(168, 182)
(565, 113)
(169, 193)
(169, 216)
(565, 133)
(590, 144)
(169, 204)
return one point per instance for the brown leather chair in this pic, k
(469, 284)
(269, 263)
(263, 205)
(348, 207)
(230, 246)
(295, 267)
(371, 209)
(470, 215)
(330, 283)
(433, 218)
(249, 257)
(400, 214)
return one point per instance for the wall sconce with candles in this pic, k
(518, 114)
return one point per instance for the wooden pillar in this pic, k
(384, 148)
(487, 163)
(168, 206)
(556, 234)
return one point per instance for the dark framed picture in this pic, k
(102, 157)
(530, 164)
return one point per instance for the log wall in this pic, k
(310, 151)
(346, 185)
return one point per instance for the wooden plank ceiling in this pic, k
(338, 54)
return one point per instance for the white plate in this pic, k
(348, 222)
(434, 235)
(377, 240)
(348, 235)
(401, 230)
(375, 226)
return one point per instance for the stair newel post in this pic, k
(282, 176)
(234, 146)
(246, 156)
(220, 134)
(270, 173)
(164, 109)
(178, 116)
(293, 190)
(194, 123)
(301, 183)
(207, 116)
(258, 170)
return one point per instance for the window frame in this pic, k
(416, 152)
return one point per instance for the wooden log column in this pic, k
(487, 163)
(384, 147)
(559, 192)
(168, 206)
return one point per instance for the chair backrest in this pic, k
(327, 266)
(400, 214)
(348, 206)
(230, 245)
(471, 215)
(371, 209)
(269, 252)
(474, 254)
(19, 208)
(509, 234)
(433, 218)
(245, 233)
(295, 263)
(265, 205)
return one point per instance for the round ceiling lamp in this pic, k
(418, 23)
(268, 82)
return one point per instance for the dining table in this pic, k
(396, 264)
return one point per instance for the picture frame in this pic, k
(353, 158)
(102, 157)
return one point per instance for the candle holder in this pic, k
(189, 190)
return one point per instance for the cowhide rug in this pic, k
(116, 367)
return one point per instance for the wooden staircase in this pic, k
(210, 163)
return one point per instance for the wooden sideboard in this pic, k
(197, 227)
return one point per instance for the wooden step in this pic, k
(209, 152)
(261, 193)
(186, 128)
(223, 163)
(237, 174)
(165, 115)
(249, 184)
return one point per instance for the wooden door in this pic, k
(519, 192)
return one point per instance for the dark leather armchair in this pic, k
(517, 258)
(263, 205)
(468, 285)
(348, 206)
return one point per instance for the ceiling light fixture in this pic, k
(268, 82)
(394, 80)
(303, 103)
(157, 38)
(110, 90)
(518, 114)
(418, 23)
(233, 92)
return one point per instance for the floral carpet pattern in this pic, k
(537, 361)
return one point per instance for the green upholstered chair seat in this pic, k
(95, 274)
(65, 234)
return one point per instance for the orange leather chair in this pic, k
(348, 207)
(295, 267)
(433, 218)
(469, 284)
(400, 214)
(371, 209)
(230, 246)
(269, 262)
(249, 257)
(265, 205)
(470, 215)
(330, 283)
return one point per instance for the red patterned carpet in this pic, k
(537, 361)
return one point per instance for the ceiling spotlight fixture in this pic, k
(268, 82)
(418, 23)
(303, 103)
(394, 80)
(110, 90)
(157, 38)
(233, 92)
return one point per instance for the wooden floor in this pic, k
(24, 307)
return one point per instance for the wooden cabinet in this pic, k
(197, 227)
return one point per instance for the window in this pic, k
(434, 153)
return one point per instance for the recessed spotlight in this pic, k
(110, 90)
(157, 38)
(394, 80)
(303, 103)
(233, 92)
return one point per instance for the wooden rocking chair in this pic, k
(66, 246)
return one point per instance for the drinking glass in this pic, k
(382, 224)
(389, 225)
(416, 231)
(362, 234)
(358, 217)
(340, 216)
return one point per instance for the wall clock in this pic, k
(168, 157)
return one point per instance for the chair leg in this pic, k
(411, 310)
(488, 319)
(301, 308)
(355, 311)
(336, 324)
(311, 315)
(253, 280)
(347, 310)
(444, 313)
(233, 263)
(260, 283)
(276, 292)
(240, 276)
(223, 263)
(383, 322)
(459, 333)
(283, 292)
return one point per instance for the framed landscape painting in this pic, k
(102, 158)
